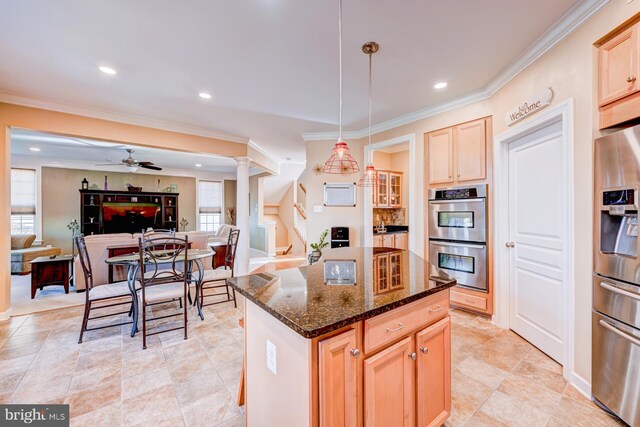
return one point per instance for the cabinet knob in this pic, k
(355, 352)
(510, 244)
(424, 350)
(413, 356)
(631, 79)
(458, 175)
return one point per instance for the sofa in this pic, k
(22, 253)
(97, 245)
(222, 234)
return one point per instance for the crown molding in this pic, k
(566, 25)
(131, 119)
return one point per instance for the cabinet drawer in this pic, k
(387, 327)
(471, 301)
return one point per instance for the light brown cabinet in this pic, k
(457, 154)
(388, 193)
(403, 373)
(338, 380)
(398, 241)
(619, 74)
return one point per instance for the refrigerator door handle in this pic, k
(613, 288)
(620, 333)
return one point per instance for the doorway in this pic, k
(534, 209)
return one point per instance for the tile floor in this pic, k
(498, 379)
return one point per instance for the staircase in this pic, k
(300, 223)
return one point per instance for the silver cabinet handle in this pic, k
(355, 352)
(620, 333)
(510, 244)
(438, 308)
(631, 79)
(617, 290)
(400, 326)
(424, 350)
(413, 356)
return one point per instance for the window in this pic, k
(210, 209)
(23, 201)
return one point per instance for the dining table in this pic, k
(132, 262)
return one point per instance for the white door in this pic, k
(536, 229)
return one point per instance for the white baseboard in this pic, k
(581, 384)
(5, 315)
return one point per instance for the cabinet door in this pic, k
(381, 284)
(618, 61)
(377, 241)
(338, 380)
(389, 386)
(402, 241)
(395, 189)
(387, 241)
(470, 151)
(383, 189)
(440, 156)
(433, 346)
(395, 271)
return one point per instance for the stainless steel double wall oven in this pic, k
(457, 234)
(616, 279)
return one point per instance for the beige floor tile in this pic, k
(202, 383)
(110, 415)
(551, 380)
(97, 358)
(154, 378)
(9, 383)
(41, 392)
(88, 400)
(234, 422)
(163, 421)
(587, 414)
(480, 419)
(210, 410)
(513, 412)
(140, 361)
(154, 404)
(536, 357)
(482, 372)
(528, 391)
(108, 373)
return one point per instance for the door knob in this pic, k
(413, 356)
(631, 79)
(355, 352)
(510, 244)
(424, 350)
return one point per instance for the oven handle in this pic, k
(458, 245)
(613, 288)
(442, 202)
(619, 332)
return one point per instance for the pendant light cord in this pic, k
(370, 55)
(340, 64)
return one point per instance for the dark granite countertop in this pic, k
(393, 229)
(300, 298)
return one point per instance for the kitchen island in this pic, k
(360, 337)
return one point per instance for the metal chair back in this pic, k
(85, 262)
(232, 246)
(163, 260)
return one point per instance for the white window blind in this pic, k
(23, 192)
(210, 197)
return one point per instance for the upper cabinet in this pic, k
(618, 74)
(388, 193)
(458, 153)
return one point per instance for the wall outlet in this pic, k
(317, 208)
(272, 363)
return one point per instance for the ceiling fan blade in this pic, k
(149, 165)
(108, 164)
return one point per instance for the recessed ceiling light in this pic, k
(198, 165)
(108, 70)
(204, 95)
(34, 149)
(440, 85)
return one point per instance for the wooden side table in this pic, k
(46, 271)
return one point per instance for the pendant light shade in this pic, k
(370, 177)
(341, 161)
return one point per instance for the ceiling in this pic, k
(56, 150)
(271, 65)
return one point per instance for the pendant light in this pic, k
(370, 177)
(341, 161)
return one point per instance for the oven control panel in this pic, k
(618, 197)
(457, 193)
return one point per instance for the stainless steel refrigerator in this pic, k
(616, 279)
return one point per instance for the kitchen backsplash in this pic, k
(389, 216)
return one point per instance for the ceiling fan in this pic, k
(131, 163)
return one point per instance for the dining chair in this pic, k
(217, 278)
(97, 295)
(162, 239)
(162, 285)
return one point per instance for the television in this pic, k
(130, 217)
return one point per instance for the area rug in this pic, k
(50, 298)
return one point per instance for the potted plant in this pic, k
(322, 243)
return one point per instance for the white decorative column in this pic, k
(242, 216)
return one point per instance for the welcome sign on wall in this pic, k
(529, 107)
